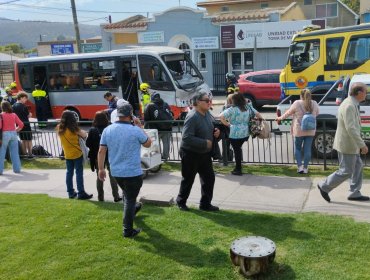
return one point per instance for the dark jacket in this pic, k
(93, 143)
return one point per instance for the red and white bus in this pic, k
(78, 82)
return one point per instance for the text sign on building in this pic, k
(150, 37)
(268, 34)
(57, 49)
(204, 43)
(91, 47)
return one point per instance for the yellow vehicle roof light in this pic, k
(311, 27)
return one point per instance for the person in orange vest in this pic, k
(41, 105)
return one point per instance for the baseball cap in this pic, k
(124, 109)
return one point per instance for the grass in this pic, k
(267, 170)
(51, 238)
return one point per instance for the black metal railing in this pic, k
(279, 149)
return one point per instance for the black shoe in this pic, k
(73, 195)
(359, 198)
(237, 172)
(324, 195)
(118, 199)
(209, 208)
(84, 196)
(132, 233)
(183, 207)
(138, 207)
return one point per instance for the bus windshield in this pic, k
(303, 54)
(183, 71)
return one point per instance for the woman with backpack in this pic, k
(93, 142)
(303, 128)
(10, 124)
(68, 132)
(237, 118)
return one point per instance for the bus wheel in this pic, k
(75, 113)
(323, 146)
(156, 169)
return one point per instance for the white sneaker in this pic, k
(305, 170)
(300, 169)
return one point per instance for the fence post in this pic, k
(324, 135)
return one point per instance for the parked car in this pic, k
(261, 87)
(328, 104)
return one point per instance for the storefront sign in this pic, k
(150, 37)
(205, 43)
(268, 34)
(228, 37)
(91, 47)
(57, 49)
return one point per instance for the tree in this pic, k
(353, 4)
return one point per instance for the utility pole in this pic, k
(75, 22)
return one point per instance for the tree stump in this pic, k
(252, 254)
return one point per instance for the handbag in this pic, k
(258, 127)
(84, 149)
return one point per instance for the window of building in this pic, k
(307, 2)
(202, 63)
(264, 5)
(327, 10)
(358, 50)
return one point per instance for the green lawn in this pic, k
(50, 238)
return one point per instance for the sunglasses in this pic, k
(206, 100)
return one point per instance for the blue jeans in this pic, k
(10, 139)
(131, 187)
(75, 164)
(306, 142)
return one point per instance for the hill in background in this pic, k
(27, 33)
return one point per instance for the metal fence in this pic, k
(279, 149)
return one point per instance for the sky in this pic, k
(92, 12)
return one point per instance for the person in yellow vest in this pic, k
(41, 105)
(145, 95)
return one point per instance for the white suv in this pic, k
(327, 118)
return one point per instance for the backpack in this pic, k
(39, 150)
(308, 121)
(163, 113)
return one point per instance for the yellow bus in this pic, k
(317, 58)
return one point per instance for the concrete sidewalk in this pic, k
(248, 192)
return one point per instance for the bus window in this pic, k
(99, 74)
(303, 54)
(333, 48)
(25, 78)
(64, 76)
(358, 50)
(153, 73)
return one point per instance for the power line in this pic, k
(78, 10)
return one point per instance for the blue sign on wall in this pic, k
(57, 49)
